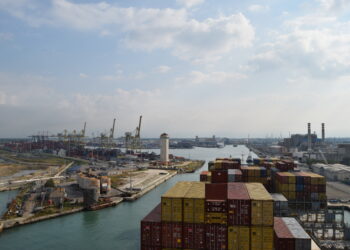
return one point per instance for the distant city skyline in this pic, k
(190, 67)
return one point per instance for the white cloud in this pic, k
(333, 5)
(189, 3)
(6, 36)
(163, 69)
(315, 44)
(117, 76)
(258, 8)
(215, 77)
(82, 75)
(146, 28)
(105, 33)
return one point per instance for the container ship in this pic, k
(231, 208)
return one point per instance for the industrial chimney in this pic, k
(323, 133)
(309, 137)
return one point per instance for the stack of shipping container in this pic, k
(205, 176)
(195, 215)
(151, 230)
(230, 170)
(302, 187)
(289, 235)
(281, 164)
(255, 174)
(280, 205)
(231, 209)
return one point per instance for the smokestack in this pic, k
(309, 137)
(323, 133)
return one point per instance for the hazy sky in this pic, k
(190, 67)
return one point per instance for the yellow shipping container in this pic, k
(172, 208)
(238, 238)
(314, 178)
(284, 187)
(261, 238)
(256, 238)
(268, 239)
(259, 196)
(217, 164)
(194, 203)
(317, 179)
(209, 177)
(216, 218)
(176, 209)
(256, 212)
(166, 209)
(291, 178)
(291, 187)
(267, 215)
(292, 196)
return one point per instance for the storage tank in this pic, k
(91, 196)
(164, 148)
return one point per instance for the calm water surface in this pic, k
(111, 228)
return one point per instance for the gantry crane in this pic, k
(107, 140)
(133, 142)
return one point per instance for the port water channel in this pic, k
(115, 228)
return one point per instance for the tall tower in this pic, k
(309, 137)
(323, 133)
(164, 148)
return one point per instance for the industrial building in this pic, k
(333, 172)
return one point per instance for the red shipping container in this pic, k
(171, 234)
(282, 178)
(300, 196)
(204, 176)
(216, 191)
(215, 237)
(216, 206)
(307, 195)
(283, 238)
(230, 165)
(239, 204)
(321, 188)
(151, 228)
(314, 188)
(194, 235)
(219, 176)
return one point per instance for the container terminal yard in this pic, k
(67, 173)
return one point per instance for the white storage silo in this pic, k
(164, 148)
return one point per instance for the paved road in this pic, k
(337, 190)
(30, 180)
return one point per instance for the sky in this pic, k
(189, 67)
